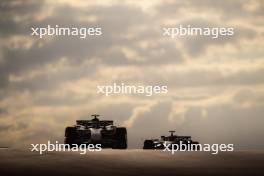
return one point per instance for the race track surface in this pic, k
(131, 163)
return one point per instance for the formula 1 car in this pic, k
(96, 131)
(168, 140)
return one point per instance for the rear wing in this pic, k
(91, 122)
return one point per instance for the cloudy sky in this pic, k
(216, 86)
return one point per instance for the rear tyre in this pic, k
(70, 136)
(69, 141)
(148, 144)
(70, 132)
(121, 138)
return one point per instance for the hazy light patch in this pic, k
(89, 19)
(177, 114)
(46, 12)
(19, 42)
(137, 112)
(131, 54)
(81, 3)
(81, 87)
(48, 69)
(108, 74)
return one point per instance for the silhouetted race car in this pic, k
(96, 131)
(168, 140)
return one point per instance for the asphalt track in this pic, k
(131, 163)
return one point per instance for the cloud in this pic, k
(225, 125)
(46, 84)
(137, 112)
(229, 10)
(248, 98)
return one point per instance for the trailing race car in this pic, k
(96, 131)
(168, 141)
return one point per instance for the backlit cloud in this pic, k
(215, 85)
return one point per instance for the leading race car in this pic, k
(96, 131)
